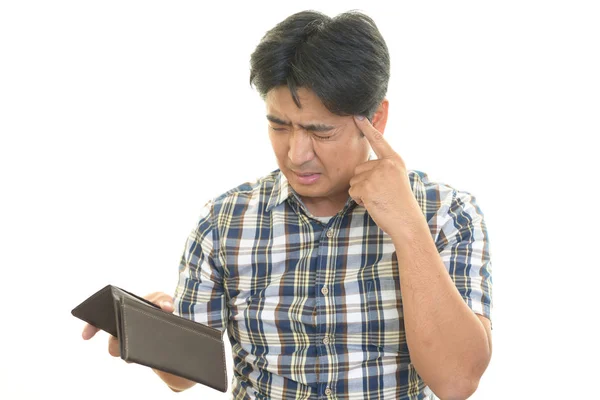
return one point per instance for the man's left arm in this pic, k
(450, 346)
(449, 343)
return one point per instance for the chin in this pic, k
(303, 190)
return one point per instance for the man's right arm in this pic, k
(200, 291)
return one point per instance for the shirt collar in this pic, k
(281, 191)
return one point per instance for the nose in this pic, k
(301, 148)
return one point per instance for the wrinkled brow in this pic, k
(308, 127)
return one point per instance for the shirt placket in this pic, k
(325, 338)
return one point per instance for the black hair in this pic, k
(344, 60)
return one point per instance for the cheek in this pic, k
(279, 146)
(352, 150)
(343, 159)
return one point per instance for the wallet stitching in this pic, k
(175, 325)
(126, 347)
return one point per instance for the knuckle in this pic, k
(151, 296)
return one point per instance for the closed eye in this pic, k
(277, 129)
(322, 137)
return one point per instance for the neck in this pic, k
(323, 206)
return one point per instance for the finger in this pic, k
(89, 331)
(356, 192)
(167, 305)
(358, 178)
(366, 166)
(154, 297)
(379, 145)
(163, 300)
(113, 347)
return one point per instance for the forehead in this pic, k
(279, 102)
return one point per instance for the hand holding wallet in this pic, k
(152, 337)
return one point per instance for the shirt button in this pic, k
(324, 290)
(327, 391)
(330, 233)
(326, 340)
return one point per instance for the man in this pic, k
(337, 275)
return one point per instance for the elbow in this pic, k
(461, 383)
(457, 390)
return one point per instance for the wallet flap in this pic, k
(100, 310)
(173, 344)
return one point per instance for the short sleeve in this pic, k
(463, 244)
(200, 294)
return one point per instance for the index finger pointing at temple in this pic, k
(380, 146)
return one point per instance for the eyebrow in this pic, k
(309, 127)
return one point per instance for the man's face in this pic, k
(313, 140)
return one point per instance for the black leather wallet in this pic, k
(152, 337)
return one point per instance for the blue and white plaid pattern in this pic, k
(314, 310)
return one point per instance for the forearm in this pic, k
(448, 343)
(176, 383)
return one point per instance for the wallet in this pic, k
(158, 339)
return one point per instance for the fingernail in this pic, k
(360, 117)
(166, 303)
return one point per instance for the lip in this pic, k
(305, 173)
(307, 179)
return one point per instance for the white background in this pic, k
(119, 119)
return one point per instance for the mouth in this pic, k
(307, 178)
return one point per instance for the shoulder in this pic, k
(227, 207)
(249, 195)
(440, 199)
(261, 186)
(422, 184)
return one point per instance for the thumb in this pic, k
(167, 305)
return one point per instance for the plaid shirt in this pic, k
(313, 310)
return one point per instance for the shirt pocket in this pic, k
(385, 317)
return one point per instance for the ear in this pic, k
(381, 115)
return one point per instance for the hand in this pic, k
(163, 300)
(382, 186)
